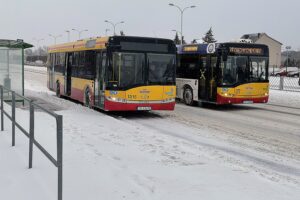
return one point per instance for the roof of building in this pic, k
(256, 36)
(15, 44)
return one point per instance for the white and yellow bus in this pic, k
(223, 73)
(118, 73)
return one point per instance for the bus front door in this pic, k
(51, 73)
(99, 82)
(68, 74)
(202, 80)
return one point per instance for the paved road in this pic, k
(263, 139)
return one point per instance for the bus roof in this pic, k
(211, 48)
(101, 43)
(80, 45)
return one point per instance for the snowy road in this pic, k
(249, 151)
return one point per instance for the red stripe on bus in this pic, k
(229, 100)
(116, 106)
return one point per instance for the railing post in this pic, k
(31, 132)
(13, 116)
(59, 131)
(281, 83)
(2, 117)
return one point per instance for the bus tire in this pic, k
(188, 96)
(87, 98)
(57, 91)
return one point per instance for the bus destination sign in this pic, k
(190, 48)
(236, 50)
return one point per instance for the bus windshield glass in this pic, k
(243, 69)
(161, 68)
(127, 69)
(258, 68)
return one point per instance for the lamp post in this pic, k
(106, 30)
(114, 24)
(79, 32)
(55, 37)
(68, 32)
(181, 17)
(287, 52)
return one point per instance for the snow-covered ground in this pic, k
(240, 152)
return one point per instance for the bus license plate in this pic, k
(143, 108)
(247, 102)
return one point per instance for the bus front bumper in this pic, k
(119, 106)
(241, 100)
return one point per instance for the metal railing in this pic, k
(59, 131)
(285, 83)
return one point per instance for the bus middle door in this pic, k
(68, 74)
(99, 82)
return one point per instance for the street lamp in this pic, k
(55, 37)
(79, 32)
(114, 24)
(287, 52)
(106, 30)
(68, 32)
(181, 12)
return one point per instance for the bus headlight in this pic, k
(169, 100)
(115, 99)
(266, 94)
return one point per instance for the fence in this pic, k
(59, 131)
(285, 83)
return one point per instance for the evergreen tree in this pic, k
(194, 41)
(183, 41)
(209, 37)
(176, 39)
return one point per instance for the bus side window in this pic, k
(90, 65)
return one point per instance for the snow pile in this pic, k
(285, 98)
(112, 158)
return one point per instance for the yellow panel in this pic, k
(145, 93)
(78, 45)
(81, 84)
(254, 90)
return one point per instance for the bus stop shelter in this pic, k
(12, 64)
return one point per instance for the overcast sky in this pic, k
(230, 19)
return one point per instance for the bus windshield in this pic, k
(243, 69)
(161, 68)
(258, 68)
(129, 69)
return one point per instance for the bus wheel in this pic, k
(188, 96)
(87, 98)
(57, 89)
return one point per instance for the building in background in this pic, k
(274, 46)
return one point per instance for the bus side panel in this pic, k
(78, 89)
(181, 83)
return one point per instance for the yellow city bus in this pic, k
(223, 73)
(118, 73)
